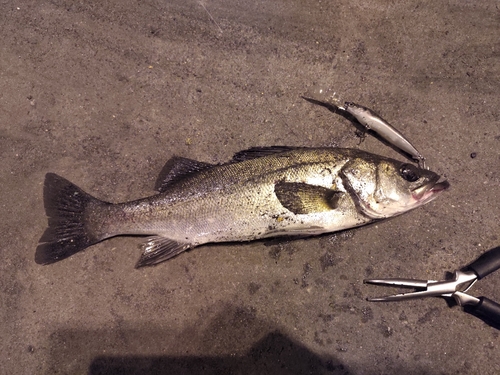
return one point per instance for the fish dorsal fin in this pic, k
(258, 152)
(158, 249)
(178, 168)
(301, 198)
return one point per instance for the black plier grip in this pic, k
(487, 263)
(485, 308)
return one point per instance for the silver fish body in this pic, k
(262, 192)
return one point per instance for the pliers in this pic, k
(481, 307)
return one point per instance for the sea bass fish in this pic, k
(260, 193)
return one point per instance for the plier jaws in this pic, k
(460, 283)
(456, 288)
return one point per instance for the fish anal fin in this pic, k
(258, 152)
(302, 198)
(158, 249)
(177, 168)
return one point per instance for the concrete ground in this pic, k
(105, 92)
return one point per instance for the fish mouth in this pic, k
(428, 192)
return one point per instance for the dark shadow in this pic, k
(227, 339)
(274, 354)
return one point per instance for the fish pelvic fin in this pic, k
(67, 232)
(158, 249)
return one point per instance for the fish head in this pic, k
(384, 187)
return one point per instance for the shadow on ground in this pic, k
(274, 354)
(247, 345)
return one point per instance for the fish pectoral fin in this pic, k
(258, 152)
(301, 198)
(176, 169)
(158, 249)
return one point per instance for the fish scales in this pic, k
(239, 191)
(263, 192)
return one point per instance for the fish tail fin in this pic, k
(67, 233)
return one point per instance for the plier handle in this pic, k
(481, 307)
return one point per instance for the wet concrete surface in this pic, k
(104, 93)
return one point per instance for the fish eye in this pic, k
(409, 172)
